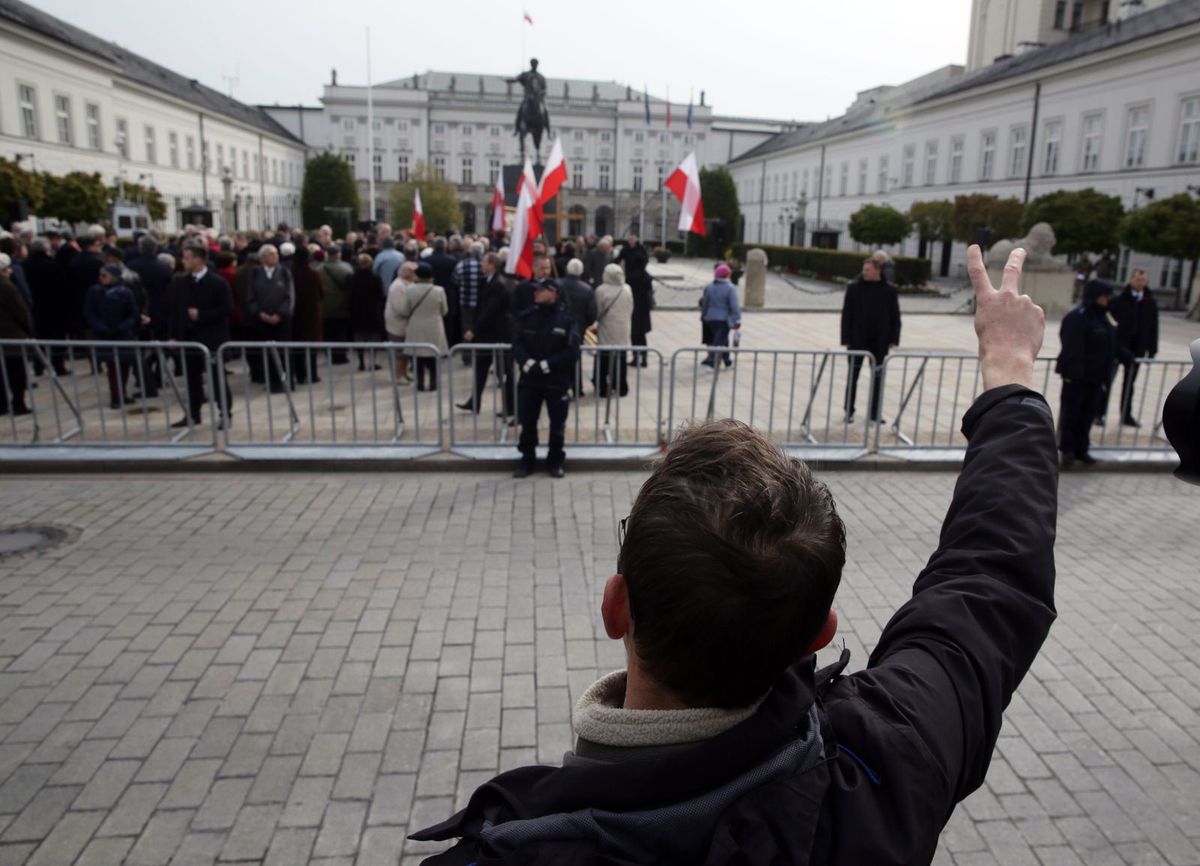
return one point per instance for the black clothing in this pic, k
(366, 300)
(1137, 337)
(156, 279)
(581, 300)
(84, 272)
(111, 312)
(443, 265)
(50, 287)
(1085, 362)
(871, 317)
(211, 297)
(493, 317)
(544, 333)
(594, 263)
(831, 769)
(522, 298)
(636, 259)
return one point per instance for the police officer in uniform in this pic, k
(546, 350)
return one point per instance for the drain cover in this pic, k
(16, 540)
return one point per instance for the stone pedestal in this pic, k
(756, 278)
(1052, 289)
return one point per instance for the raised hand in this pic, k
(1010, 326)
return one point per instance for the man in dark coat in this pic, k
(870, 323)
(493, 324)
(112, 312)
(545, 350)
(1085, 362)
(597, 259)
(270, 305)
(156, 278)
(580, 297)
(84, 271)
(198, 306)
(50, 287)
(728, 566)
(543, 268)
(443, 265)
(634, 259)
(16, 323)
(1136, 313)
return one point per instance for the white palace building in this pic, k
(70, 101)
(1056, 95)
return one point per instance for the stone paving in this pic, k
(283, 669)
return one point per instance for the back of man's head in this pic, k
(732, 555)
(574, 268)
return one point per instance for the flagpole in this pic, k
(664, 216)
(370, 134)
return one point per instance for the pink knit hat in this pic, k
(722, 272)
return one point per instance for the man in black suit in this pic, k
(1136, 313)
(199, 304)
(871, 323)
(84, 271)
(493, 324)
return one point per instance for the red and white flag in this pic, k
(554, 176)
(418, 222)
(498, 204)
(525, 228)
(684, 184)
(528, 180)
(528, 18)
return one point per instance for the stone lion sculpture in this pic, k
(1038, 244)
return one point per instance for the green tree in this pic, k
(1001, 215)
(77, 197)
(718, 192)
(17, 183)
(1083, 220)
(1168, 228)
(879, 225)
(933, 220)
(439, 201)
(138, 194)
(329, 189)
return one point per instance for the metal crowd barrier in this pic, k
(925, 396)
(295, 400)
(112, 400)
(797, 397)
(105, 400)
(605, 419)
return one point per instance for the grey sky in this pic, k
(799, 59)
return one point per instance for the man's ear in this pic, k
(825, 635)
(618, 621)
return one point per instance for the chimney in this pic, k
(333, 76)
(701, 98)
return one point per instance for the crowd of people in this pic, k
(288, 286)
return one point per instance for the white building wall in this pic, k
(52, 69)
(1157, 74)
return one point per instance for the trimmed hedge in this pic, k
(835, 263)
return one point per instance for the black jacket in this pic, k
(84, 271)
(547, 332)
(493, 316)
(832, 770)
(365, 302)
(636, 259)
(581, 300)
(111, 312)
(210, 295)
(871, 317)
(1089, 343)
(156, 278)
(51, 290)
(1137, 323)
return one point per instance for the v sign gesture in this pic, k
(1010, 326)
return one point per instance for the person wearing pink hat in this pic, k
(720, 313)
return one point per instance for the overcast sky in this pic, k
(787, 59)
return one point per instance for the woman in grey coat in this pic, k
(423, 308)
(614, 326)
(720, 313)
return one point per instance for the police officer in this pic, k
(546, 350)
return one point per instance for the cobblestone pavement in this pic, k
(284, 669)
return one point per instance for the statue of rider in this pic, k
(534, 85)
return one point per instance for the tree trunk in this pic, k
(947, 247)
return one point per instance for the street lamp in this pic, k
(32, 159)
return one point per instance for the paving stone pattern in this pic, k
(287, 669)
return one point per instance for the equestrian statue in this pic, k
(532, 117)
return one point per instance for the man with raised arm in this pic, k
(722, 742)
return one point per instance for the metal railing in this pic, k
(925, 396)
(106, 399)
(796, 397)
(295, 400)
(616, 406)
(112, 400)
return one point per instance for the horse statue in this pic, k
(532, 117)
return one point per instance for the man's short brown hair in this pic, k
(732, 555)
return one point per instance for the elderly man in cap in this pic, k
(545, 349)
(112, 313)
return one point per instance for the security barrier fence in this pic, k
(90, 400)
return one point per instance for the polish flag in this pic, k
(498, 204)
(524, 228)
(418, 222)
(528, 180)
(554, 175)
(684, 184)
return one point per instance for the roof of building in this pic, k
(140, 70)
(474, 84)
(870, 112)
